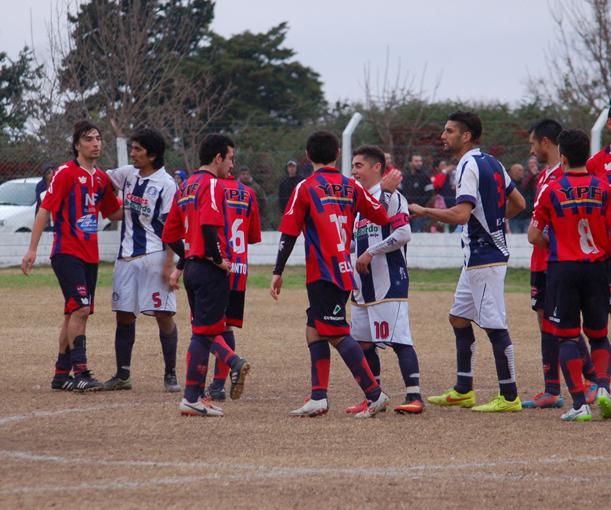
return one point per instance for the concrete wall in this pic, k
(427, 251)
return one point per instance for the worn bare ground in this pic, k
(132, 449)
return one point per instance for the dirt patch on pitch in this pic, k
(132, 449)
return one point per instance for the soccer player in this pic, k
(324, 206)
(600, 163)
(485, 197)
(576, 208)
(379, 301)
(245, 228)
(199, 216)
(544, 145)
(144, 265)
(77, 194)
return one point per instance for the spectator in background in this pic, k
(245, 178)
(180, 176)
(417, 188)
(287, 185)
(529, 183)
(43, 184)
(389, 165)
(519, 223)
(441, 182)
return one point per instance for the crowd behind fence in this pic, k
(268, 169)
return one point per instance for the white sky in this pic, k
(483, 49)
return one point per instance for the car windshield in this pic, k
(18, 193)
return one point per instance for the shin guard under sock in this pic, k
(78, 355)
(125, 337)
(353, 356)
(505, 364)
(601, 353)
(465, 355)
(408, 363)
(551, 363)
(570, 361)
(63, 365)
(320, 357)
(373, 360)
(221, 370)
(197, 366)
(169, 344)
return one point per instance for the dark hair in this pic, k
(437, 162)
(468, 122)
(372, 154)
(546, 128)
(153, 143)
(243, 169)
(574, 145)
(411, 156)
(322, 147)
(212, 145)
(81, 128)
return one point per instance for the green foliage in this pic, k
(17, 80)
(265, 83)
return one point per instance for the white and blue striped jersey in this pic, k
(483, 181)
(146, 204)
(388, 279)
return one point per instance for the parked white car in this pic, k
(18, 206)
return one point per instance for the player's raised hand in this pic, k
(28, 262)
(175, 278)
(226, 265)
(363, 261)
(274, 289)
(390, 182)
(416, 211)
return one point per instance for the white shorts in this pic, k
(383, 323)
(479, 297)
(138, 287)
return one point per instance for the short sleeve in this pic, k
(167, 198)
(541, 214)
(211, 203)
(118, 176)
(59, 188)
(110, 203)
(173, 230)
(468, 183)
(294, 216)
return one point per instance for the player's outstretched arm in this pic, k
(457, 215)
(39, 226)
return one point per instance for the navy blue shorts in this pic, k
(538, 281)
(575, 289)
(235, 309)
(327, 311)
(207, 289)
(77, 280)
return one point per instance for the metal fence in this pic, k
(267, 168)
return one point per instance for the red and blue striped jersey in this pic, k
(199, 201)
(576, 208)
(76, 197)
(244, 228)
(600, 164)
(323, 206)
(538, 259)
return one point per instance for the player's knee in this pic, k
(125, 318)
(458, 322)
(80, 314)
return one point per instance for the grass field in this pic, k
(132, 449)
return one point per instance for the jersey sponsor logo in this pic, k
(361, 223)
(137, 200)
(188, 193)
(345, 267)
(337, 190)
(82, 290)
(137, 204)
(88, 223)
(366, 230)
(333, 318)
(237, 198)
(582, 193)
